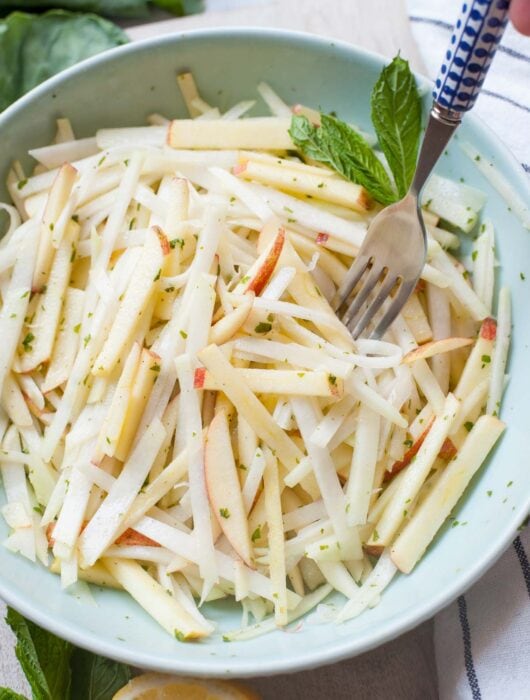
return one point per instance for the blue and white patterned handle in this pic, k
(475, 39)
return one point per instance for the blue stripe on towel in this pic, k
(468, 655)
(431, 20)
(514, 54)
(449, 27)
(520, 551)
(504, 99)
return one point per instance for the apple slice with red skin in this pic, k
(163, 240)
(264, 272)
(229, 325)
(436, 347)
(224, 491)
(129, 538)
(133, 538)
(448, 450)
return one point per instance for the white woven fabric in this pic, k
(482, 639)
(504, 103)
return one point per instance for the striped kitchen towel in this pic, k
(504, 102)
(482, 639)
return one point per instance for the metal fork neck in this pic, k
(440, 127)
(448, 116)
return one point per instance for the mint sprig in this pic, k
(336, 144)
(95, 677)
(44, 658)
(396, 116)
(7, 694)
(56, 670)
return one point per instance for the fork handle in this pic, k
(475, 39)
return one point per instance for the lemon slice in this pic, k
(158, 686)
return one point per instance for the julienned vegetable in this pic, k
(194, 418)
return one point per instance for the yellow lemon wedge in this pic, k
(158, 686)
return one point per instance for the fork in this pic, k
(394, 250)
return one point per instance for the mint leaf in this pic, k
(7, 694)
(27, 655)
(337, 145)
(96, 678)
(307, 138)
(396, 116)
(57, 671)
(357, 159)
(45, 659)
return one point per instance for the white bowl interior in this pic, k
(121, 89)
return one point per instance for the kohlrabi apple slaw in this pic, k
(184, 417)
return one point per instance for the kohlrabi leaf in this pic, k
(107, 8)
(35, 47)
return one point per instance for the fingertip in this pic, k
(520, 15)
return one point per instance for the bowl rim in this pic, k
(343, 647)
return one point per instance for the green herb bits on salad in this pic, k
(186, 419)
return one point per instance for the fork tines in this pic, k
(376, 284)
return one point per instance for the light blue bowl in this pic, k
(121, 88)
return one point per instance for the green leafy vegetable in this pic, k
(96, 678)
(45, 659)
(35, 47)
(396, 116)
(343, 149)
(108, 8)
(57, 671)
(6, 694)
(181, 7)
